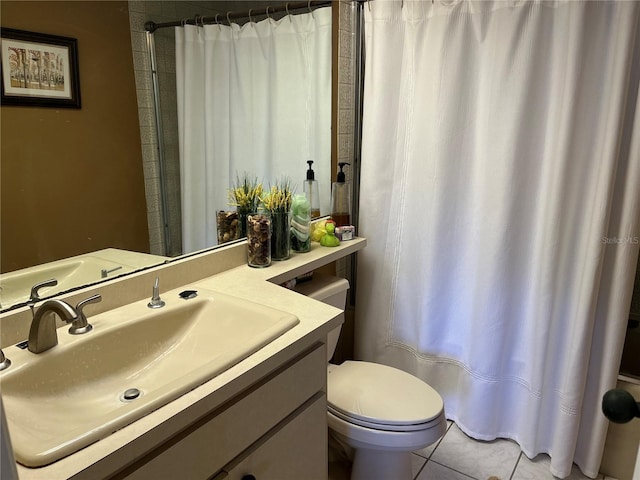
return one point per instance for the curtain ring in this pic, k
(267, 13)
(286, 7)
(310, 11)
(183, 22)
(250, 19)
(228, 19)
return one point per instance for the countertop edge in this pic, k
(134, 441)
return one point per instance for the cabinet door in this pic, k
(225, 434)
(296, 449)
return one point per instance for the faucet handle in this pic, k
(81, 324)
(34, 296)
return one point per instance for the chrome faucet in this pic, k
(42, 335)
(35, 296)
(104, 273)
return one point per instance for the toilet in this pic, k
(379, 413)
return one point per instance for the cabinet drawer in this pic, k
(295, 449)
(206, 446)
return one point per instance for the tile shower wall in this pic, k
(165, 11)
(346, 102)
(141, 12)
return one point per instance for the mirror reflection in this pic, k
(252, 99)
(84, 182)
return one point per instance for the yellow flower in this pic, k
(278, 198)
(245, 194)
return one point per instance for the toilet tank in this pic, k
(331, 290)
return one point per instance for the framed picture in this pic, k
(39, 69)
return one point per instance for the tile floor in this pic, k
(459, 457)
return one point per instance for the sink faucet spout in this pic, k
(42, 335)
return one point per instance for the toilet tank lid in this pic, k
(381, 394)
(322, 286)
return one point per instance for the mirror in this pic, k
(80, 182)
(243, 110)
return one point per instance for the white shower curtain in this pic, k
(500, 196)
(254, 98)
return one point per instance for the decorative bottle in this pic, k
(341, 199)
(311, 191)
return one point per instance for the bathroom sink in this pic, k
(71, 272)
(135, 360)
(16, 286)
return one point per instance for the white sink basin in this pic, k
(71, 272)
(16, 286)
(65, 398)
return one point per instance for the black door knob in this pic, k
(619, 406)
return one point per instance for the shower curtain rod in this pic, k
(221, 17)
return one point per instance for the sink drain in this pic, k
(130, 395)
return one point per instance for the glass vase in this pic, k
(243, 215)
(280, 236)
(258, 240)
(227, 225)
(300, 233)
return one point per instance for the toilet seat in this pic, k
(383, 426)
(380, 397)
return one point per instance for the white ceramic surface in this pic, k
(15, 287)
(65, 398)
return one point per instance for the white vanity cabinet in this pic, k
(290, 451)
(264, 417)
(276, 429)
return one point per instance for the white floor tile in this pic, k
(427, 451)
(435, 471)
(476, 458)
(417, 463)
(538, 469)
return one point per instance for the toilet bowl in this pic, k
(379, 413)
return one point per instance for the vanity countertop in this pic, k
(104, 457)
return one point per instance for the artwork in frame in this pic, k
(39, 69)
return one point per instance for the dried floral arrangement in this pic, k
(278, 197)
(246, 194)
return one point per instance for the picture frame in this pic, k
(38, 69)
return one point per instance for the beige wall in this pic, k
(72, 180)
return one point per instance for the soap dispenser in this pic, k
(341, 199)
(311, 191)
